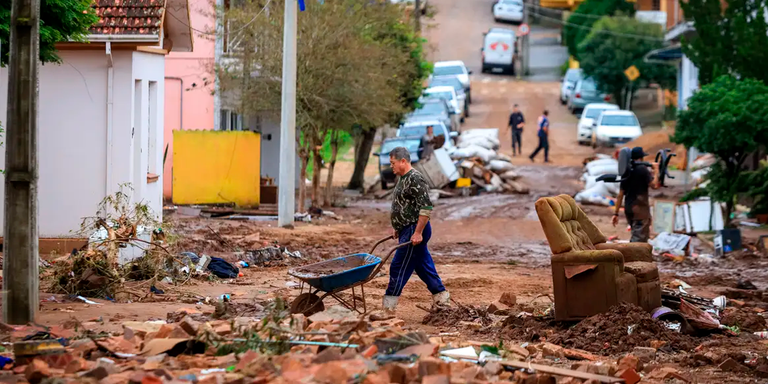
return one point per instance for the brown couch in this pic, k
(590, 275)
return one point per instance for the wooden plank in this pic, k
(547, 369)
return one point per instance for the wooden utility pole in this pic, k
(20, 275)
(417, 14)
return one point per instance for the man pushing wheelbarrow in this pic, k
(411, 210)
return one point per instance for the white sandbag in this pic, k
(474, 151)
(482, 141)
(503, 157)
(601, 163)
(510, 175)
(591, 182)
(500, 166)
(598, 193)
(492, 133)
(604, 170)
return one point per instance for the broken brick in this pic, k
(552, 350)
(577, 354)
(380, 377)
(629, 375)
(731, 365)
(493, 368)
(328, 354)
(221, 327)
(84, 347)
(37, 371)
(398, 373)
(76, 365)
(508, 298)
(665, 373)
(645, 354)
(658, 344)
(432, 366)
(435, 379)
(544, 378)
(630, 361)
(499, 309)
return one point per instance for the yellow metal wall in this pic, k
(216, 167)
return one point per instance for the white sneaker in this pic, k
(390, 303)
(441, 299)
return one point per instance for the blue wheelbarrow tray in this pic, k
(341, 272)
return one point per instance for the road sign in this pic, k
(632, 73)
(523, 29)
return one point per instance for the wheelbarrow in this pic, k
(331, 277)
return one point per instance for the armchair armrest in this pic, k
(595, 256)
(630, 251)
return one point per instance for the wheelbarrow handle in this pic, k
(386, 258)
(380, 242)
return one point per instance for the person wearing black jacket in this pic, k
(516, 123)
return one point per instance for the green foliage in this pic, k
(615, 44)
(345, 142)
(756, 186)
(60, 21)
(726, 118)
(694, 194)
(586, 15)
(729, 40)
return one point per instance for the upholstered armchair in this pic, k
(589, 275)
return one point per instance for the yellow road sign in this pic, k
(632, 73)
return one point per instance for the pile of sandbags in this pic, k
(599, 192)
(477, 152)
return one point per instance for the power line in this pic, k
(225, 33)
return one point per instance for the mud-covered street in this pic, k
(483, 246)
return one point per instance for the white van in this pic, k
(499, 50)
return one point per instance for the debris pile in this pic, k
(478, 157)
(621, 329)
(599, 192)
(460, 315)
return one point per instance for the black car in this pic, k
(412, 143)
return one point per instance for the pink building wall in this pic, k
(195, 69)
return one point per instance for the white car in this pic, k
(508, 10)
(591, 112)
(615, 127)
(569, 82)
(448, 94)
(498, 52)
(454, 68)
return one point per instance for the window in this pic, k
(620, 120)
(593, 113)
(231, 121)
(411, 145)
(449, 70)
(656, 5)
(152, 125)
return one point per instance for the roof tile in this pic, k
(128, 17)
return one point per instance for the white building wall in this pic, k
(72, 139)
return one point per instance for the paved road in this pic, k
(456, 33)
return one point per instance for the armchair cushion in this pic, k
(631, 251)
(642, 271)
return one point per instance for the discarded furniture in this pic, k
(589, 275)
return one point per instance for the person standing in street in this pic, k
(634, 191)
(411, 210)
(516, 123)
(543, 137)
(428, 143)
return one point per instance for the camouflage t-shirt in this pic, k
(410, 200)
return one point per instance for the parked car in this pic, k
(412, 3)
(569, 81)
(588, 117)
(419, 129)
(615, 127)
(453, 81)
(448, 94)
(455, 68)
(498, 52)
(434, 109)
(508, 10)
(585, 92)
(412, 143)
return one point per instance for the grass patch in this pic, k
(345, 143)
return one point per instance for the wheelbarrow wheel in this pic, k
(307, 304)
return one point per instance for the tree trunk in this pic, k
(331, 165)
(317, 168)
(304, 157)
(362, 153)
(727, 216)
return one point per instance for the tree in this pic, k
(615, 44)
(409, 82)
(730, 38)
(586, 15)
(344, 76)
(726, 118)
(60, 20)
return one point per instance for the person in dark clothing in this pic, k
(634, 192)
(516, 123)
(543, 137)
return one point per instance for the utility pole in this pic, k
(417, 14)
(287, 178)
(526, 42)
(20, 271)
